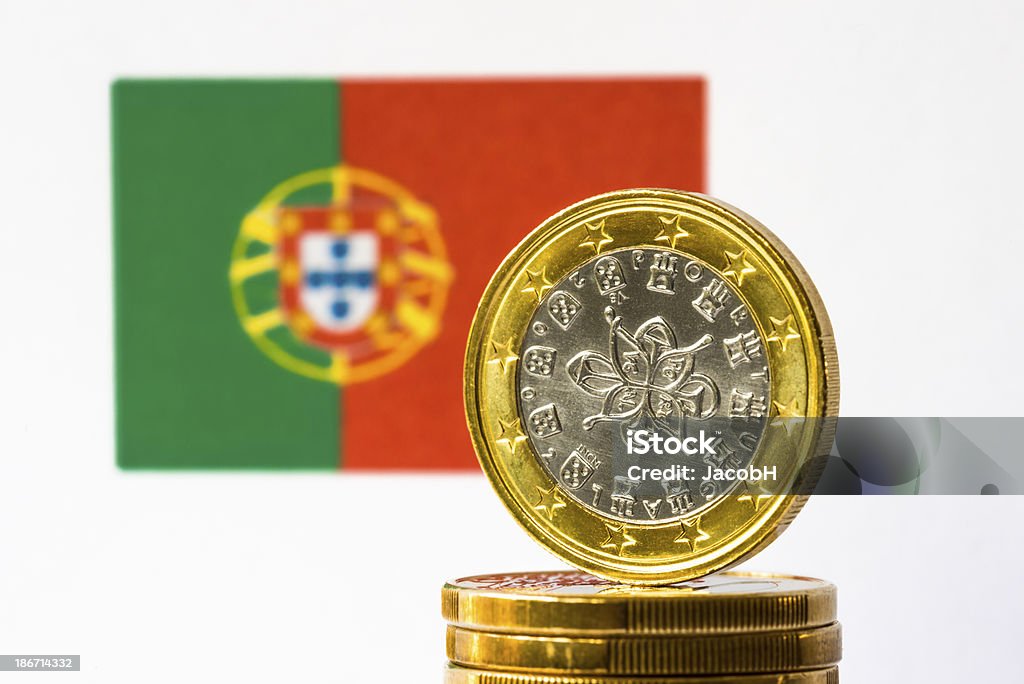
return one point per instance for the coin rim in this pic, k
(786, 279)
(522, 611)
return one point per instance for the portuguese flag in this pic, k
(297, 261)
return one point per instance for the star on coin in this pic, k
(510, 435)
(752, 493)
(691, 534)
(782, 331)
(737, 266)
(596, 237)
(671, 232)
(501, 354)
(618, 539)
(550, 501)
(787, 415)
(537, 282)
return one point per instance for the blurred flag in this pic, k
(297, 261)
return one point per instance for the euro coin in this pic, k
(578, 604)
(719, 654)
(649, 380)
(454, 674)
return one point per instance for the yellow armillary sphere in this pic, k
(340, 275)
(650, 385)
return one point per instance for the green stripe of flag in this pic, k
(190, 159)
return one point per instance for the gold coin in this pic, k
(578, 604)
(737, 653)
(664, 314)
(455, 674)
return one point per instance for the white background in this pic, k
(881, 140)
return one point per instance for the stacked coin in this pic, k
(574, 628)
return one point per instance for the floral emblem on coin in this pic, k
(646, 375)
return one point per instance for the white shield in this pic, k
(339, 278)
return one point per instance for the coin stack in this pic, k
(574, 628)
(664, 313)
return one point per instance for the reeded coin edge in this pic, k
(538, 612)
(741, 653)
(456, 674)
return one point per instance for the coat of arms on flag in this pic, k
(297, 261)
(361, 279)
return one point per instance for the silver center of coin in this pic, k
(634, 344)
